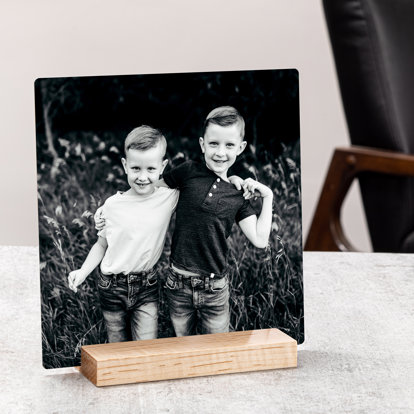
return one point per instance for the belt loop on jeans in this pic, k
(206, 283)
(180, 282)
(114, 277)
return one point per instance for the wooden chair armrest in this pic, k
(326, 233)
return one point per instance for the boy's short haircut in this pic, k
(144, 138)
(224, 116)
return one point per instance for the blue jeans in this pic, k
(197, 299)
(129, 305)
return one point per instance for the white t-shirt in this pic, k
(135, 230)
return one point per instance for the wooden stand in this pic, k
(190, 356)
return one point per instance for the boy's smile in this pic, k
(142, 168)
(221, 145)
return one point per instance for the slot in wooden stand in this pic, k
(190, 356)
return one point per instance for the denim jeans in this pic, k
(194, 299)
(129, 305)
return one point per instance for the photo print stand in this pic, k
(81, 127)
(190, 356)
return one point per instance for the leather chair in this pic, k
(373, 47)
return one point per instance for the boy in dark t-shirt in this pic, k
(197, 285)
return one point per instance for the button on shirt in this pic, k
(206, 211)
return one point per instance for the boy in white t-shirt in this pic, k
(132, 241)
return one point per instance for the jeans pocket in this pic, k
(219, 285)
(104, 281)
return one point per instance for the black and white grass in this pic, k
(81, 126)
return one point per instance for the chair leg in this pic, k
(326, 233)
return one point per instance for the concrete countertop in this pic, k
(357, 356)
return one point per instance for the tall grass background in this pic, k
(266, 288)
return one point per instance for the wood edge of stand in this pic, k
(89, 367)
(214, 360)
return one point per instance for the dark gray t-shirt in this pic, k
(206, 210)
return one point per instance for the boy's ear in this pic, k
(124, 164)
(201, 141)
(164, 164)
(242, 147)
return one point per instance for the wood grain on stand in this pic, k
(191, 356)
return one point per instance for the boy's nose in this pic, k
(142, 176)
(220, 151)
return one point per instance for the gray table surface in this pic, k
(357, 356)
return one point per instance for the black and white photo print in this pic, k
(169, 205)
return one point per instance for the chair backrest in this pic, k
(373, 46)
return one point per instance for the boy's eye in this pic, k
(213, 144)
(230, 145)
(151, 169)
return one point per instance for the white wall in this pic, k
(45, 38)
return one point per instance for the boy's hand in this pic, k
(252, 187)
(99, 219)
(75, 278)
(238, 183)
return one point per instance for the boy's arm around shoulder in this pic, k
(95, 256)
(257, 229)
(175, 177)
